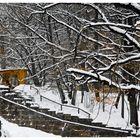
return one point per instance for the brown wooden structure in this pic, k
(13, 77)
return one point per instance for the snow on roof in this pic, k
(13, 69)
(3, 86)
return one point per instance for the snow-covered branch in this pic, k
(131, 6)
(123, 61)
(103, 79)
(75, 30)
(117, 29)
(39, 35)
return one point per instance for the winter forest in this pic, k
(83, 69)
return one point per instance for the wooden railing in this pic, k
(64, 105)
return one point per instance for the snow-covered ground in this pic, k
(111, 116)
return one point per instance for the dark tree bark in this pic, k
(130, 67)
(122, 109)
(133, 107)
(73, 101)
(60, 89)
(128, 6)
(117, 100)
(84, 88)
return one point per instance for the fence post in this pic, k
(89, 116)
(40, 98)
(78, 110)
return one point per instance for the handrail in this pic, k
(61, 105)
(37, 91)
(64, 121)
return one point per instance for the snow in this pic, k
(22, 88)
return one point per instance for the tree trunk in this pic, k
(122, 111)
(117, 100)
(73, 101)
(36, 81)
(133, 107)
(60, 89)
(84, 89)
(131, 68)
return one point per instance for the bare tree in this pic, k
(97, 43)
